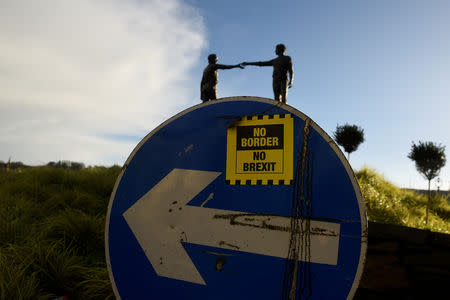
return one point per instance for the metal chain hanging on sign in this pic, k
(297, 277)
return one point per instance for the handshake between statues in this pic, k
(283, 74)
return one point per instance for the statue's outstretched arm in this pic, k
(224, 67)
(259, 63)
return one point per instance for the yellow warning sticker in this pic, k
(260, 150)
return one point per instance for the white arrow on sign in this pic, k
(161, 220)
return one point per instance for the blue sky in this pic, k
(383, 65)
(85, 81)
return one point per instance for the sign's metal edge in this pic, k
(328, 139)
(108, 215)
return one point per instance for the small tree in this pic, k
(349, 137)
(429, 158)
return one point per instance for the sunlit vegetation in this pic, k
(52, 227)
(386, 203)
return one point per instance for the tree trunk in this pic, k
(348, 156)
(429, 202)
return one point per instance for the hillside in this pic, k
(387, 203)
(52, 227)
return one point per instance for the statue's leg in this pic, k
(214, 93)
(203, 95)
(206, 97)
(207, 93)
(284, 91)
(276, 90)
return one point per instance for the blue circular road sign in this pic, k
(239, 198)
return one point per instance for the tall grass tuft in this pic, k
(17, 280)
(96, 285)
(57, 267)
(76, 229)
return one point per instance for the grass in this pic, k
(387, 203)
(52, 227)
(51, 233)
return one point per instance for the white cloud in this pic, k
(73, 72)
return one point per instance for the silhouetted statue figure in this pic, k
(282, 67)
(208, 86)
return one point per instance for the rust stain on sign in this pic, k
(271, 222)
(222, 243)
